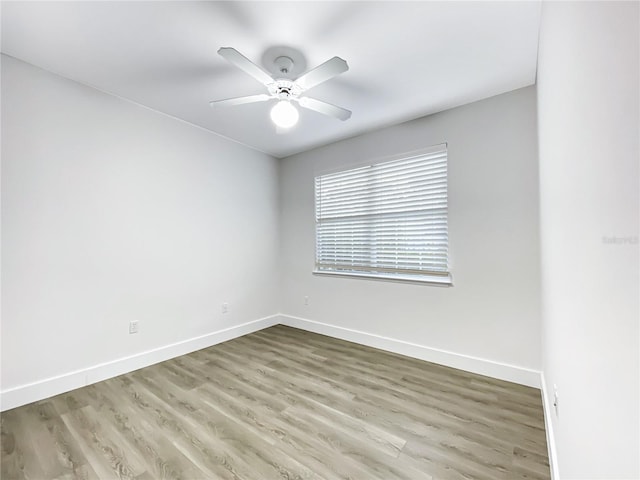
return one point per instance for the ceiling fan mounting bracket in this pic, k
(284, 64)
(279, 57)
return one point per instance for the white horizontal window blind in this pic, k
(385, 220)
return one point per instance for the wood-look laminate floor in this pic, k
(282, 404)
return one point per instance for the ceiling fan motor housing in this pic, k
(285, 89)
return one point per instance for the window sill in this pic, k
(433, 280)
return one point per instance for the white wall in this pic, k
(588, 126)
(493, 310)
(112, 212)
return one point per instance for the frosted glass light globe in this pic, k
(284, 115)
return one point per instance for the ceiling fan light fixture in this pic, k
(284, 115)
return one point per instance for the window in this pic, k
(387, 220)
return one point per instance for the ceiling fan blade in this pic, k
(325, 108)
(242, 62)
(240, 100)
(322, 73)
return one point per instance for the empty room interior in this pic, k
(320, 240)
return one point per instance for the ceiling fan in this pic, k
(285, 90)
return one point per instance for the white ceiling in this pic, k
(406, 59)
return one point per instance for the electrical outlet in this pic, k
(133, 326)
(306, 300)
(225, 307)
(556, 399)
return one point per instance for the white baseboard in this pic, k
(502, 371)
(548, 424)
(23, 394)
